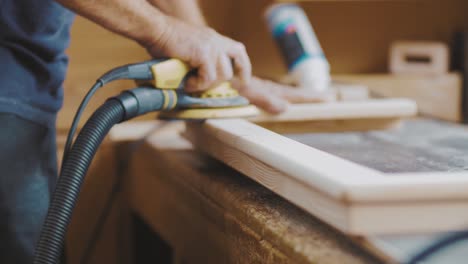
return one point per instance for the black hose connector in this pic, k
(51, 241)
(142, 100)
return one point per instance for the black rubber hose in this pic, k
(439, 245)
(51, 241)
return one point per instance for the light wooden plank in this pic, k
(322, 126)
(288, 156)
(373, 108)
(362, 200)
(410, 217)
(326, 172)
(435, 186)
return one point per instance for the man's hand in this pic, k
(274, 97)
(204, 49)
(219, 52)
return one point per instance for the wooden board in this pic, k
(353, 198)
(362, 115)
(377, 108)
(436, 96)
(339, 125)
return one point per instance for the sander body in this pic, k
(220, 101)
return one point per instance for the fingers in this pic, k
(207, 74)
(211, 74)
(268, 102)
(215, 61)
(191, 85)
(274, 97)
(224, 61)
(241, 61)
(298, 95)
(224, 70)
(260, 97)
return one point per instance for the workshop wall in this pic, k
(355, 35)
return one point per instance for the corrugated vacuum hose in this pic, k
(49, 247)
(127, 105)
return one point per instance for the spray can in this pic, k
(301, 50)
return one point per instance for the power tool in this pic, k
(220, 101)
(160, 88)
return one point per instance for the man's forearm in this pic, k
(176, 32)
(135, 19)
(186, 10)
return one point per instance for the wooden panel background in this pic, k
(355, 35)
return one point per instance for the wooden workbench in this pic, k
(209, 213)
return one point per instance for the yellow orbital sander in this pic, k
(220, 101)
(160, 89)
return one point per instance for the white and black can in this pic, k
(299, 46)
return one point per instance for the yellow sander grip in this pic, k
(169, 74)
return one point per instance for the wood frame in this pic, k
(353, 198)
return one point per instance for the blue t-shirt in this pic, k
(33, 37)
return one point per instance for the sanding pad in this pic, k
(210, 113)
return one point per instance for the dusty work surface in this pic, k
(420, 145)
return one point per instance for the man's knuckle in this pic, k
(210, 30)
(240, 47)
(210, 76)
(229, 74)
(226, 74)
(204, 57)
